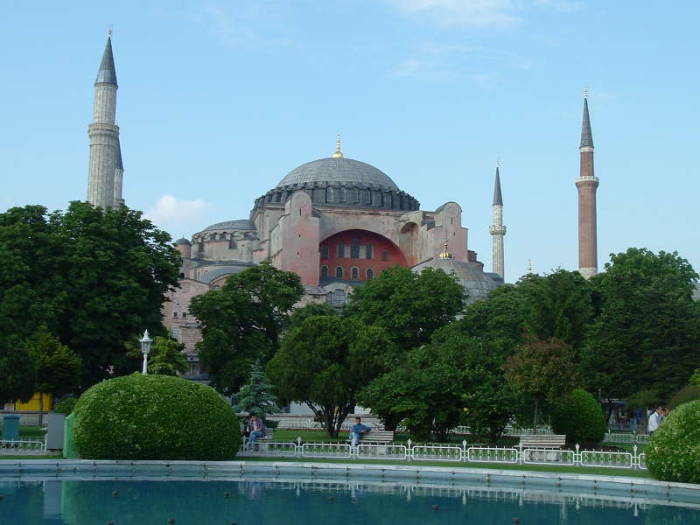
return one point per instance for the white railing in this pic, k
(626, 437)
(492, 455)
(452, 453)
(29, 447)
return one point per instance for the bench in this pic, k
(542, 441)
(377, 436)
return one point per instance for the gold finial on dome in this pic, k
(338, 154)
(444, 254)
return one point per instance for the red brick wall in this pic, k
(385, 254)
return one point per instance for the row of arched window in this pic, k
(340, 273)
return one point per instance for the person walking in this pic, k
(655, 420)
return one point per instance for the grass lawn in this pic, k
(504, 466)
(288, 435)
(30, 431)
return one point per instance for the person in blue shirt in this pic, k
(357, 431)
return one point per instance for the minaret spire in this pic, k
(498, 229)
(104, 178)
(587, 185)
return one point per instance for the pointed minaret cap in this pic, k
(337, 153)
(497, 197)
(107, 74)
(586, 134)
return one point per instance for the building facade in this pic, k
(336, 222)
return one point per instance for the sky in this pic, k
(218, 100)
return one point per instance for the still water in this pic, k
(256, 502)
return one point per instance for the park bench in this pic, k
(377, 436)
(542, 441)
(542, 447)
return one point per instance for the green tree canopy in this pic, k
(256, 396)
(96, 278)
(558, 305)
(647, 335)
(166, 357)
(242, 322)
(17, 370)
(58, 367)
(325, 362)
(410, 306)
(546, 370)
(456, 378)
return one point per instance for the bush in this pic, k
(685, 395)
(66, 406)
(580, 417)
(155, 417)
(673, 453)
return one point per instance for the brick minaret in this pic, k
(587, 185)
(497, 229)
(104, 178)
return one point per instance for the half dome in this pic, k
(339, 170)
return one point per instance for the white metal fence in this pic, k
(27, 447)
(452, 453)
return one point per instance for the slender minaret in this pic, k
(104, 136)
(118, 177)
(587, 185)
(498, 229)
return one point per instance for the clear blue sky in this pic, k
(219, 100)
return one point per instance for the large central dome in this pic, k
(339, 170)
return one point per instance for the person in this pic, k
(357, 431)
(655, 420)
(256, 429)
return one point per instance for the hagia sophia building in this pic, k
(336, 222)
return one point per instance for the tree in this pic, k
(166, 357)
(243, 321)
(256, 397)
(96, 278)
(647, 334)
(546, 370)
(423, 390)
(410, 306)
(58, 368)
(695, 379)
(558, 305)
(454, 378)
(17, 370)
(324, 363)
(299, 315)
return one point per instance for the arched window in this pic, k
(231, 243)
(324, 272)
(339, 272)
(355, 273)
(370, 273)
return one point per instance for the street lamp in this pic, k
(145, 348)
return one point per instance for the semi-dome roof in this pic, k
(340, 170)
(240, 224)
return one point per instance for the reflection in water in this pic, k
(268, 501)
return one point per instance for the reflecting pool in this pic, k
(284, 501)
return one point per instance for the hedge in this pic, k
(155, 417)
(673, 453)
(580, 417)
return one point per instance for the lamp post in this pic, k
(145, 348)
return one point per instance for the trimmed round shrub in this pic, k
(673, 453)
(155, 417)
(580, 417)
(66, 406)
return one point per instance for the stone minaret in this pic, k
(105, 172)
(498, 229)
(587, 185)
